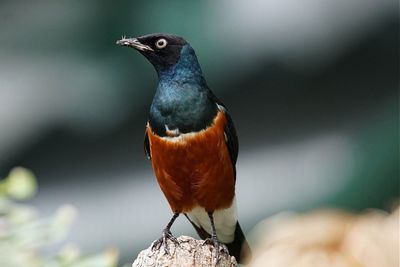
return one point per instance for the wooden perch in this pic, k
(189, 253)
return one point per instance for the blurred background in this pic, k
(313, 88)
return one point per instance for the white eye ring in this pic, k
(161, 43)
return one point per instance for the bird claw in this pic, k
(213, 241)
(163, 240)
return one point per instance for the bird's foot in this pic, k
(163, 240)
(218, 246)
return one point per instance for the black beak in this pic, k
(133, 42)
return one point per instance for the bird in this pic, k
(193, 146)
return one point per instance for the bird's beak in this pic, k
(133, 42)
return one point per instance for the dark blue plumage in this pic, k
(182, 100)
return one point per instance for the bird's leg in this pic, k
(214, 239)
(167, 235)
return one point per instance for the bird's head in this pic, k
(162, 50)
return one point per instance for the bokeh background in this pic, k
(313, 87)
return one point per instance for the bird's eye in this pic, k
(161, 43)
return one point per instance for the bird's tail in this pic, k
(239, 247)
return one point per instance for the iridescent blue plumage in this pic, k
(182, 100)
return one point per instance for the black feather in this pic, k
(232, 141)
(147, 145)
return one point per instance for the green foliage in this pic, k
(23, 234)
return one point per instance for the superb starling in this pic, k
(192, 143)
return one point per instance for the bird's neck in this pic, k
(182, 100)
(186, 70)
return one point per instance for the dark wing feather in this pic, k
(232, 141)
(230, 131)
(147, 145)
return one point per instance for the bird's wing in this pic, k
(231, 138)
(147, 145)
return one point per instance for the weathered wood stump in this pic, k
(189, 253)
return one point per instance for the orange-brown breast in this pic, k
(195, 168)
